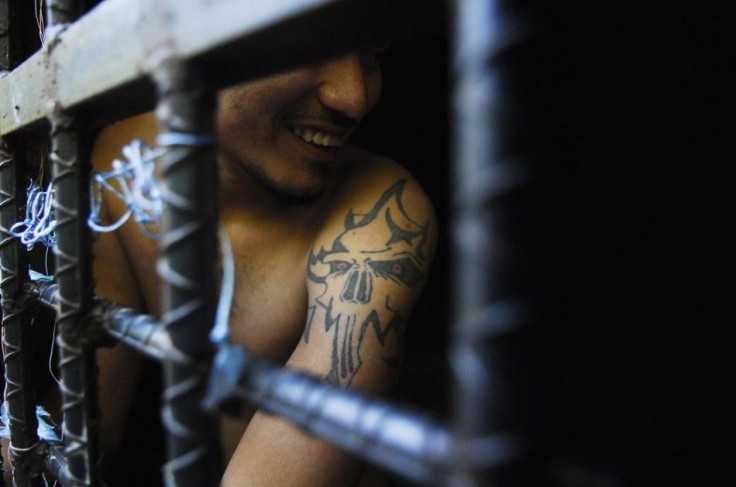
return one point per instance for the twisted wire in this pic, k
(39, 222)
(136, 187)
(187, 253)
(74, 293)
(22, 421)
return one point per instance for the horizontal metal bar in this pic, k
(400, 440)
(139, 331)
(112, 49)
(56, 464)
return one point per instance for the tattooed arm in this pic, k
(364, 273)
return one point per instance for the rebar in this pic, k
(139, 331)
(75, 286)
(187, 270)
(15, 325)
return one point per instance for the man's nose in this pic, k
(345, 87)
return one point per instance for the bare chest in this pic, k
(269, 306)
(268, 310)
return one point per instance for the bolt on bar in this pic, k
(186, 268)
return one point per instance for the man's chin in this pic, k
(290, 191)
(293, 195)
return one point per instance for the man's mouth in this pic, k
(317, 137)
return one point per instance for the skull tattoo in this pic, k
(350, 306)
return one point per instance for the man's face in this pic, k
(286, 130)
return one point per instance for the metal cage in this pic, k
(83, 77)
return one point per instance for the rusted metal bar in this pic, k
(187, 270)
(19, 395)
(75, 285)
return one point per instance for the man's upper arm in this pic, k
(364, 274)
(115, 280)
(363, 277)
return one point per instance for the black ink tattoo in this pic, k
(347, 307)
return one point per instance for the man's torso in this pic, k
(270, 253)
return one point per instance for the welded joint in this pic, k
(31, 460)
(35, 294)
(97, 331)
(52, 36)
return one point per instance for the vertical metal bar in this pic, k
(18, 393)
(16, 323)
(490, 309)
(187, 269)
(73, 254)
(75, 286)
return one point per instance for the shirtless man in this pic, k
(331, 244)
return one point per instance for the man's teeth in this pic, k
(317, 138)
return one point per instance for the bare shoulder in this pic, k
(377, 187)
(365, 271)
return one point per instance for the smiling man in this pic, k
(332, 246)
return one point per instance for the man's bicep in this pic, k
(363, 278)
(363, 275)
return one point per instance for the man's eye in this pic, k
(339, 266)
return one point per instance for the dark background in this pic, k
(620, 108)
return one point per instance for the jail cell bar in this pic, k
(16, 323)
(18, 395)
(466, 451)
(188, 248)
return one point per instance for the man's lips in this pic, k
(320, 137)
